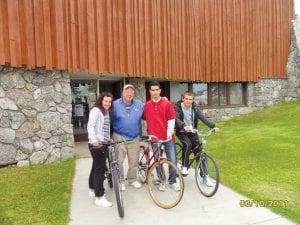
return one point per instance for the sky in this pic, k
(297, 7)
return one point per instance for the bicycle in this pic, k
(155, 170)
(206, 170)
(113, 174)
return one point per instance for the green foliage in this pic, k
(36, 194)
(258, 155)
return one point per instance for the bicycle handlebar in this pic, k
(149, 138)
(203, 133)
(126, 141)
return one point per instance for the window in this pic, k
(200, 91)
(236, 93)
(220, 94)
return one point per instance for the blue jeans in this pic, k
(171, 155)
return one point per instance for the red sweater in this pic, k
(157, 115)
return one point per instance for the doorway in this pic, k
(84, 95)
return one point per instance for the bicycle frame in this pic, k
(160, 173)
(206, 167)
(153, 158)
(202, 137)
(115, 174)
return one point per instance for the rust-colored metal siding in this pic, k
(198, 40)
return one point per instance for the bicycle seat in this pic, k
(145, 138)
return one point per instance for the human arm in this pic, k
(170, 129)
(92, 126)
(171, 117)
(203, 118)
(179, 124)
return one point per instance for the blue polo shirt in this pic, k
(127, 121)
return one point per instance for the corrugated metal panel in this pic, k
(198, 40)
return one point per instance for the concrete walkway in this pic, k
(223, 208)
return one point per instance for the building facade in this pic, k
(57, 56)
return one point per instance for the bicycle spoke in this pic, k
(207, 176)
(162, 189)
(142, 168)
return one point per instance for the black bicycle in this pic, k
(113, 173)
(206, 170)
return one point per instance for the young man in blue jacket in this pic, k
(187, 116)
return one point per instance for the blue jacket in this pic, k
(128, 124)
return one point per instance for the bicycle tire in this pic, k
(118, 193)
(207, 175)
(142, 168)
(167, 198)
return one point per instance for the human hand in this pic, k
(95, 144)
(188, 128)
(169, 135)
(216, 129)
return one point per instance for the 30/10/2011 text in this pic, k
(263, 203)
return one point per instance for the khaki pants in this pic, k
(132, 151)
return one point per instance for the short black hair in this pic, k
(154, 83)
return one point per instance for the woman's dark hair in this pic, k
(99, 100)
(154, 83)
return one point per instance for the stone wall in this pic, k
(140, 90)
(35, 116)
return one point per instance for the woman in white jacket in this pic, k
(98, 128)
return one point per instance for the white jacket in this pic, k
(95, 125)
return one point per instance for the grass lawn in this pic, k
(37, 194)
(259, 156)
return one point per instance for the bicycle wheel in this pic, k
(142, 167)
(207, 175)
(164, 194)
(178, 148)
(118, 193)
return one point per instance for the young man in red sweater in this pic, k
(160, 119)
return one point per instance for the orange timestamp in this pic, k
(263, 203)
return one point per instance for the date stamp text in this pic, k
(263, 203)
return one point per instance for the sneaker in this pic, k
(136, 184)
(207, 181)
(102, 201)
(175, 187)
(184, 170)
(123, 187)
(162, 187)
(91, 193)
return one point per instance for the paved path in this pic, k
(221, 209)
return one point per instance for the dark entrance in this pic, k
(165, 89)
(84, 95)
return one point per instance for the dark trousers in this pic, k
(189, 141)
(97, 174)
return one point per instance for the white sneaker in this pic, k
(162, 187)
(175, 187)
(102, 201)
(136, 184)
(91, 193)
(184, 170)
(123, 187)
(207, 181)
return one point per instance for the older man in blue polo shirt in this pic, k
(127, 124)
